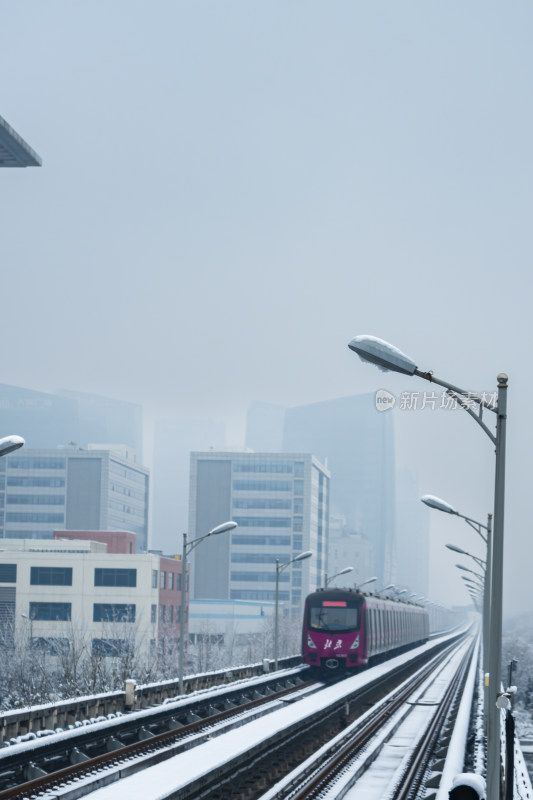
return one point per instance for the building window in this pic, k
(51, 576)
(262, 522)
(298, 505)
(171, 614)
(178, 581)
(259, 577)
(50, 611)
(163, 580)
(24, 462)
(299, 468)
(171, 581)
(113, 612)
(297, 542)
(298, 488)
(154, 579)
(52, 646)
(261, 502)
(265, 465)
(298, 524)
(13, 480)
(8, 573)
(36, 499)
(262, 541)
(261, 486)
(253, 558)
(161, 613)
(111, 648)
(20, 516)
(153, 616)
(115, 577)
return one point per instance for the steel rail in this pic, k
(422, 753)
(315, 785)
(137, 749)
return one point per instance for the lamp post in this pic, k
(344, 571)
(387, 357)
(280, 568)
(368, 580)
(187, 548)
(441, 505)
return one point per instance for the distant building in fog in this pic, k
(280, 502)
(356, 442)
(42, 491)
(412, 534)
(349, 549)
(264, 427)
(174, 442)
(47, 420)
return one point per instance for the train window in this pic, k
(333, 619)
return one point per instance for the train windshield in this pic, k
(333, 618)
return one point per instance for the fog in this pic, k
(231, 191)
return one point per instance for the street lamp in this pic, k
(10, 443)
(280, 568)
(344, 571)
(368, 580)
(482, 563)
(388, 357)
(187, 548)
(441, 505)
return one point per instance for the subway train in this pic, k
(344, 630)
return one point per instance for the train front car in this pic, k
(333, 638)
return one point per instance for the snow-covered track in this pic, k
(245, 761)
(386, 754)
(187, 717)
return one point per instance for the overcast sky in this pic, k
(231, 190)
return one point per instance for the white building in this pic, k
(62, 591)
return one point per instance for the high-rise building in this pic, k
(174, 442)
(412, 535)
(14, 151)
(356, 442)
(105, 419)
(349, 549)
(280, 502)
(48, 420)
(73, 489)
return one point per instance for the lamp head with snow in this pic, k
(10, 443)
(225, 526)
(435, 502)
(456, 549)
(384, 355)
(302, 556)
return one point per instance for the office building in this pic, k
(14, 151)
(356, 442)
(73, 489)
(280, 502)
(63, 589)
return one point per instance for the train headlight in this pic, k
(355, 644)
(310, 642)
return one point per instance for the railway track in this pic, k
(279, 741)
(387, 753)
(47, 762)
